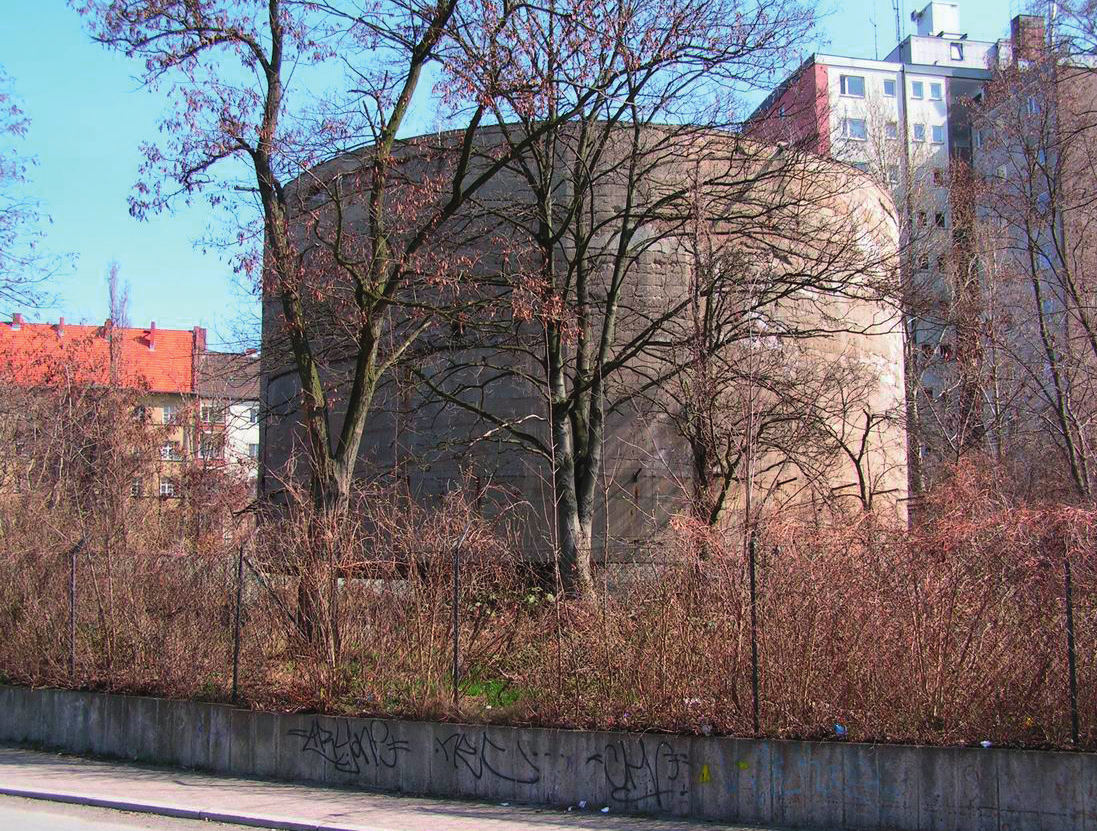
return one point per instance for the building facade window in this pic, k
(209, 448)
(167, 487)
(855, 128)
(170, 452)
(891, 130)
(935, 92)
(919, 132)
(852, 85)
(137, 487)
(212, 414)
(893, 174)
(938, 176)
(889, 87)
(253, 451)
(253, 415)
(938, 133)
(939, 219)
(170, 413)
(917, 89)
(922, 219)
(956, 51)
(1032, 105)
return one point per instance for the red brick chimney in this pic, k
(17, 321)
(61, 327)
(1027, 34)
(152, 335)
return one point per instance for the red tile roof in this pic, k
(160, 360)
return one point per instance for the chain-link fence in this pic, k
(822, 633)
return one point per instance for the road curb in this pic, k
(175, 811)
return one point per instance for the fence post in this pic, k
(236, 625)
(456, 622)
(72, 610)
(1072, 666)
(752, 551)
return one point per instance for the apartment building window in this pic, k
(938, 133)
(893, 174)
(253, 415)
(253, 451)
(891, 130)
(938, 176)
(852, 85)
(917, 89)
(939, 219)
(919, 132)
(1032, 105)
(170, 413)
(977, 138)
(889, 87)
(212, 414)
(956, 51)
(922, 219)
(209, 448)
(855, 128)
(137, 487)
(167, 487)
(170, 452)
(935, 92)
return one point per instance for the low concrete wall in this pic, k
(809, 784)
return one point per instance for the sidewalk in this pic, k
(178, 793)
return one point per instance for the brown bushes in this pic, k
(953, 634)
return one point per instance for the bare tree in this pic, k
(25, 266)
(1035, 218)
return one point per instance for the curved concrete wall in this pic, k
(797, 216)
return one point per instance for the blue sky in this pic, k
(88, 116)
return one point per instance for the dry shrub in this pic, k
(145, 623)
(952, 633)
(381, 582)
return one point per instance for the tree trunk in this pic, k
(574, 545)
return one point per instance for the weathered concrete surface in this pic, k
(795, 784)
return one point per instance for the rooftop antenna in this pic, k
(875, 40)
(898, 22)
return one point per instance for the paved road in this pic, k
(173, 792)
(18, 814)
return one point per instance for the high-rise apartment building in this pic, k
(852, 109)
(907, 120)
